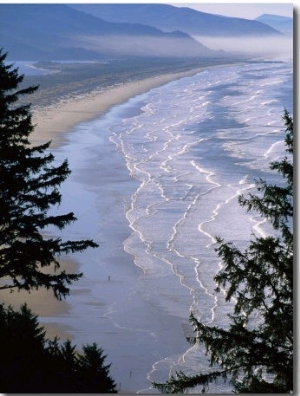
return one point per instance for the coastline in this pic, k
(43, 303)
(100, 306)
(53, 121)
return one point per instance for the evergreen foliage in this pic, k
(93, 375)
(32, 363)
(29, 187)
(256, 352)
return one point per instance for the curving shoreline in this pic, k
(53, 121)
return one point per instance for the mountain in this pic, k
(169, 18)
(280, 23)
(60, 32)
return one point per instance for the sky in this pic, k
(240, 9)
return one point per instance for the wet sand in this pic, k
(43, 303)
(110, 278)
(53, 121)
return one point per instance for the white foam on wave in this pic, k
(192, 147)
(170, 165)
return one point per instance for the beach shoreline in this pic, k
(52, 122)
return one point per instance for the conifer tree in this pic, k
(256, 352)
(30, 363)
(93, 374)
(22, 343)
(29, 187)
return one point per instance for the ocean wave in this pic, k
(198, 144)
(175, 160)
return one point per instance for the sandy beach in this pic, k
(53, 121)
(127, 301)
(110, 276)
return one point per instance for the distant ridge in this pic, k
(281, 23)
(169, 18)
(60, 32)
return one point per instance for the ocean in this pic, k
(154, 181)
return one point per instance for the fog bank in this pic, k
(281, 47)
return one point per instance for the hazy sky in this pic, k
(241, 9)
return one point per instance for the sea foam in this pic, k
(161, 175)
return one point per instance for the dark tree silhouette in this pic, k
(93, 375)
(29, 187)
(32, 363)
(256, 352)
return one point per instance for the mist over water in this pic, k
(155, 180)
(263, 47)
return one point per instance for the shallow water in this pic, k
(29, 69)
(154, 181)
